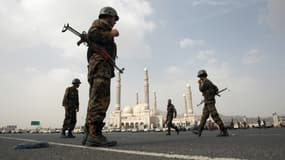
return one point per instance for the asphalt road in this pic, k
(255, 144)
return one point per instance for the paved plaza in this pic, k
(253, 144)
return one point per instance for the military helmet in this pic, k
(76, 81)
(108, 11)
(202, 73)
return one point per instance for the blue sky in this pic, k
(240, 43)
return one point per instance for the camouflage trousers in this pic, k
(169, 122)
(210, 109)
(70, 118)
(99, 100)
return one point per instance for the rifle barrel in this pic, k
(73, 31)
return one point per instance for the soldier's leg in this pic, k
(168, 131)
(175, 127)
(205, 116)
(98, 104)
(72, 123)
(66, 123)
(215, 115)
(168, 128)
(86, 128)
(86, 134)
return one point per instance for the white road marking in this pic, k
(256, 134)
(270, 135)
(142, 153)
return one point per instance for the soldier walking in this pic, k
(259, 122)
(71, 105)
(171, 112)
(209, 91)
(101, 37)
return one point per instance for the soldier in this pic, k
(239, 125)
(171, 112)
(101, 37)
(209, 90)
(259, 122)
(232, 124)
(264, 123)
(71, 105)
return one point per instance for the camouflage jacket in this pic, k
(209, 91)
(99, 35)
(71, 98)
(171, 111)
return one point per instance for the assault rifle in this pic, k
(84, 39)
(218, 94)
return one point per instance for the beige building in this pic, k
(141, 116)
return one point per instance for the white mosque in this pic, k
(141, 116)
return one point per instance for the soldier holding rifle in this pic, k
(209, 91)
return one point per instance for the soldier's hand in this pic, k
(114, 32)
(199, 81)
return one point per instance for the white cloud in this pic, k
(188, 42)
(196, 3)
(207, 56)
(174, 70)
(31, 70)
(253, 56)
(133, 26)
(34, 22)
(31, 24)
(38, 96)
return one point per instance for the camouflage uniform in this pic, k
(71, 104)
(100, 73)
(171, 112)
(209, 91)
(259, 122)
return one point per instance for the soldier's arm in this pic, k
(77, 102)
(100, 37)
(203, 86)
(98, 34)
(213, 87)
(216, 89)
(65, 98)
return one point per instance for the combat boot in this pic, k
(96, 138)
(177, 130)
(62, 135)
(101, 126)
(85, 136)
(70, 135)
(99, 141)
(198, 131)
(223, 133)
(168, 132)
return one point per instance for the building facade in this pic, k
(141, 116)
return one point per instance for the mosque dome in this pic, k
(139, 108)
(128, 110)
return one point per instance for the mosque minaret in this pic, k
(137, 97)
(118, 92)
(140, 116)
(185, 104)
(146, 89)
(189, 100)
(155, 104)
